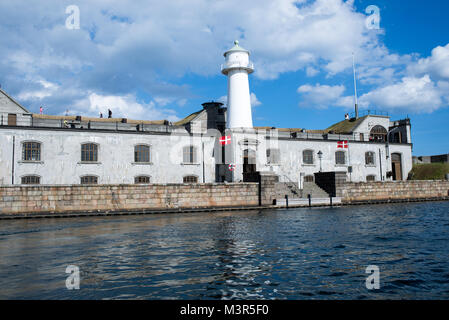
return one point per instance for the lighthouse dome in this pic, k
(236, 48)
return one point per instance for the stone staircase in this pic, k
(297, 197)
(287, 188)
(314, 190)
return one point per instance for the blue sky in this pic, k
(161, 59)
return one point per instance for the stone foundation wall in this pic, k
(353, 192)
(77, 198)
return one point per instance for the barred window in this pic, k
(142, 179)
(273, 156)
(340, 157)
(31, 151)
(189, 154)
(31, 180)
(370, 178)
(141, 153)
(369, 158)
(190, 179)
(309, 178)
(89, 180)
(307, 156)
(89, 152)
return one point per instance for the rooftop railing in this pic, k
(242, 65)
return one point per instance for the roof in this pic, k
(188, 118)
(14, 101)
(83, 118)
(236, 48)
(345, 126)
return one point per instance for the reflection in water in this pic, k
(296, 254)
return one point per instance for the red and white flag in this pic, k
(231, 167)
(342, 145)
(225, 140)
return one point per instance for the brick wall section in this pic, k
(353, 192)
(47, 199)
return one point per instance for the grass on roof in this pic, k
(345, 126)
(187, 119)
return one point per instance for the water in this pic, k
(297, 254)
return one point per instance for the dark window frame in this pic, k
(189, 154)
(338, 158)
(307, 157)
(89, 179)
(89, 152)
(142, 153)
(138, 179)
(193, 178)
(31, 151)
(370, 158)
(29, 179)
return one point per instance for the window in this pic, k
(307, 156)
(378, 134)
(31, 180)
(190, 179)
(89, 152)
(189, 154)
(142, 179)
(309, 179)
(369, 158)
(141, 153)
(31, 151)
(273, 156)
(89, 180)
(340, 157)
(370, 178)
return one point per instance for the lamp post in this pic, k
(320, 156)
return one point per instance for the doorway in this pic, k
(249, 161)
(396, 166)
(12, 119)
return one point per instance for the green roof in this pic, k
(345, 126)
(236, 48)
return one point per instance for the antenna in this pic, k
(355, 88)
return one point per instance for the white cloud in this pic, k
(254, 101)
(320, 96)
(123, 47)
(437, 65)
(419, 95)
(122, 107)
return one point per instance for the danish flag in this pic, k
(225, 140)
(342, 145)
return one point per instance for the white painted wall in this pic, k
(61, 157)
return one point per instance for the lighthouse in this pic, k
(237, 66)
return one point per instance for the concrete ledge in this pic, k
(107, 213)
(305, 202)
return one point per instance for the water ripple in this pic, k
(297, 254)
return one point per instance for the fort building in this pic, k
(215, 144)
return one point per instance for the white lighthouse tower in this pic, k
(237, 67)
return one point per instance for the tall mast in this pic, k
(355, 88)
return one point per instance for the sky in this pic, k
(156, 60)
